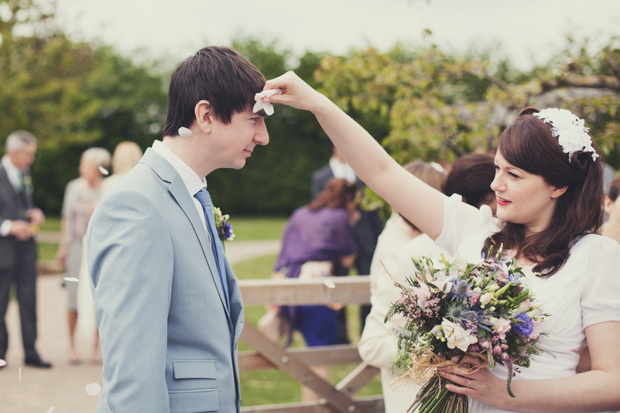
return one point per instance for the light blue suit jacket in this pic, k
(168, 342)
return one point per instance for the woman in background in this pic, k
(126, 155)
(399, 241)
(316, 235)
(611, 228)
(81, 196)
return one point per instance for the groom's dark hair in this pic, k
(218, 74)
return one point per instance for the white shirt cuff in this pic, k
(5, 227)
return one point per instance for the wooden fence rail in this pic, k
(297, 362)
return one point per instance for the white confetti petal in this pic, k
(71, 279)
(185, 132)
(2, 363)
(104, 171)
(19, 375)
(93, 389)
(329, 283)
(51, 409)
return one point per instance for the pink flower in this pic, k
(501, 326)
(536, 330)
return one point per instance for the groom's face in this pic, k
(234, 142)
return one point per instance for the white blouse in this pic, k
(585, 291)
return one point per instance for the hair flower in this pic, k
(570, 131)
(262, 101)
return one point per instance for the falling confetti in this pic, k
(19, 375)
(104, 171)
(329, 283)
(51, 409)
(93, 389)
(2, 363)
(71, 279)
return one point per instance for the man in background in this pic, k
(19, 220)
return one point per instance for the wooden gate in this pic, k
(297, 362)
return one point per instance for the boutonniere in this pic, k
(224, 229)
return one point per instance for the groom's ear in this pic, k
(204, 116)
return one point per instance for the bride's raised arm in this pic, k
(418, 202)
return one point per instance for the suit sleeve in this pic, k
(130, 260)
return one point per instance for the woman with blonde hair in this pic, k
(81, 197)
(126, 155)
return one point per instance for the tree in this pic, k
(71, 96)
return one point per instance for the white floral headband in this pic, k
(570, 131)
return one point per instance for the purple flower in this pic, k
(523, 324)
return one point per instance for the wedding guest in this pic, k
(19, 220)
(399, 241)
(167, 303)
(471, 176)
(611, 228)
(82, 195)
(126, 155)
(365, 233)
(316, 235)
(549, 191)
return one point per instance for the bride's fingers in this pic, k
(461, 381)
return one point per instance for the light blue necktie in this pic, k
(216, 245)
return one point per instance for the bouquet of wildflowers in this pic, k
(458, 308)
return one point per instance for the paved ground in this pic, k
(62, 389)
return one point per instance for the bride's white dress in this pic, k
(585, 291)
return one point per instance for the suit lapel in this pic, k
(178, 190)
(5, 182)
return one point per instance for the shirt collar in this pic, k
(192, 181)
(11, 170)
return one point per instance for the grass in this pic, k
(257, 229)
(274, 386)
(51, 224)
(47, 251)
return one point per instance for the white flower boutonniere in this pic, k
(224, 229)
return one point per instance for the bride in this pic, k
(548, 186)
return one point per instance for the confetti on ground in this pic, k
(93, 389)
(329, 283)
(2, 363)
(104, 171)
(71, 279)
(51, 409)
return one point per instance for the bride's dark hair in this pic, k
(529, 145)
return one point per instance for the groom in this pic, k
(167, 303)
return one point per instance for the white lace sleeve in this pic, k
(462, 221)
(600, 299)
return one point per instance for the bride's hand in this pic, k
(295, 93)
(481, 385)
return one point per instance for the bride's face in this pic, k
(522, 197)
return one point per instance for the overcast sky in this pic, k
(527, 30)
